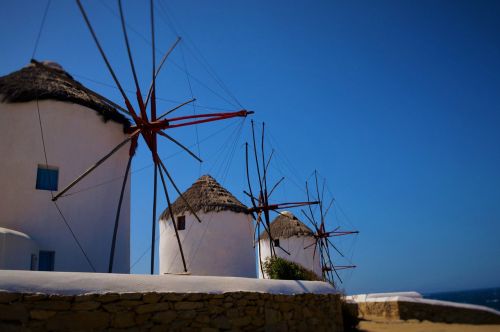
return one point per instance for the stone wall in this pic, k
(402, 310)
(246, 311)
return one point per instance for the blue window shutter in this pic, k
(47, 178)
(46, 260)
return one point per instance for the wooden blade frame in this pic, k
(147, 128)
(323, 242)
(260, 203)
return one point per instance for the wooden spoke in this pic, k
(173, 140)
(173, 221)
(103, 55)
(162, 61)
(132, 66)
(276, 186)
(117, 219)
(153, 229)
(152, 89)
(176, 108)
(93, 167)
(162, 165)
(286, 252)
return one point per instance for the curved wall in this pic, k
(17, 251)
(75, 138)
(221, 245)
(295, 247)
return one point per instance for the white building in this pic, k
(78, 130)
(293, 241)
(221, 245)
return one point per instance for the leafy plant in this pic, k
(280, 268)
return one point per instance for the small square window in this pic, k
(46, 260)
(47, 177)
(181, 223)
(276, 242)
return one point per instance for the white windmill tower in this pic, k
(220, 243)
(292, 240)
(51, 129)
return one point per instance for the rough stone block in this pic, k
(123, 319)
(188, 305)
(130, 296)
(81, 320)
(13, 312)
(42, 314)
(6, 297)
(151, 298)
(152, 307)
(89, 305)
(52, 305)
(165, 317)
(108, 297)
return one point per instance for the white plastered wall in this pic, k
(16, 250)
(295, 246)
(75, 138)
(221, 245)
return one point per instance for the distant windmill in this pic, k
(260, 202)
(323, 237)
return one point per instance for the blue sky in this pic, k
(395, 103)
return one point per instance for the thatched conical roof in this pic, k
(48, 80)
(286, 225)
(206, 195)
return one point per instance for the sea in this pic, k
(489, 297)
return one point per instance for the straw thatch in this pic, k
(48, 80)
(206, 195)
(287, 225)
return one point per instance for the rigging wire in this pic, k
(180, 151)
(193, 105)
(52, 193)
(205, 64)
(176, 65)
(158, 98)
(40, 29)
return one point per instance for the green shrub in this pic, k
(280, 268)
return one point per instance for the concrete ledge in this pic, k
(401, 307)
(76, 283)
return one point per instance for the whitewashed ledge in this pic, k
(414, 297)
(78, 283)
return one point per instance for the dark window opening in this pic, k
(46, 260)
(181, 223)
(276, 242)
(34, 260)
(47, 177)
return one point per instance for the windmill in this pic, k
(323, 242)
(261, 207)
(150, 127)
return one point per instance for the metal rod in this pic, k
(117, 218)
(173, 220)
(88, 171)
